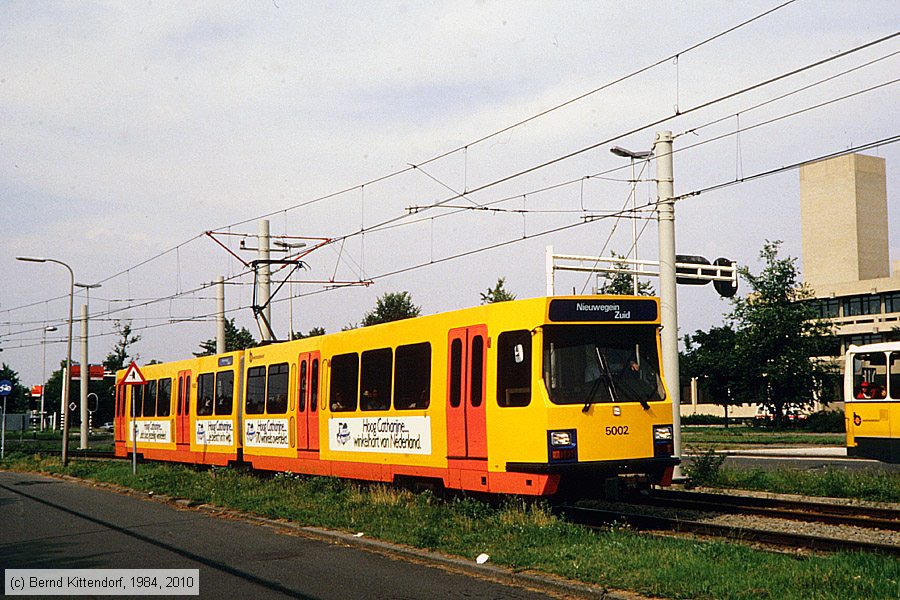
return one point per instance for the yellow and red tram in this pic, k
(515, 397)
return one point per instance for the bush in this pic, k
(704, 468)
(826, 421)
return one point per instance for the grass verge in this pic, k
(517, 534)
(742, 435)
(706, 469)
(876, 486)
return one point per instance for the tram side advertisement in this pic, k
(214, 432)
(152, 432)
(394, 435)
(267, 433)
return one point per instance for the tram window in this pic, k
(375, 379)
(412, 376)
(894, 383)
(514, 368)
(870, 376)
(137, 400)
(224, 392)
(277, 390)
(164, 401)
(455, 372)
(256, 390)
(205, 394)
(314, 386)
(344, 382)
(150, 399)
(301, 407)
(587, 364)
(187, 395)
(476, 390)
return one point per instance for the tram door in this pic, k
(308, 405)
(121, 422)
(183, 414)
(466, 426)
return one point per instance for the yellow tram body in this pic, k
(872, 401)
(513, 397)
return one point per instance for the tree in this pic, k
(392, 306)
(314, 332)
(778, 338)
(622, 284)
(118, 358)
(498, 293)
(710, 357)
(18, 400)
(235, 339)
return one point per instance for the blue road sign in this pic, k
(6, 387)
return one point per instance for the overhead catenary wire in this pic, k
(893, 139)
(465, 147)
(547, 163)
(384, 224)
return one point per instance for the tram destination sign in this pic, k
(605, 311)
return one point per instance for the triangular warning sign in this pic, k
(133, 376)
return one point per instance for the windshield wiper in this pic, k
(606, 376)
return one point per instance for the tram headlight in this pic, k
(560, 438)
(562, 445)
(663, 443)
(662, 433)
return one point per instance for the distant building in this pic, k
(844, 223)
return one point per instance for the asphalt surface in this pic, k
(50, 523)
(805, 458)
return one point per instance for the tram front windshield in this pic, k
(587, 364)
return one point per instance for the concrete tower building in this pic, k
(844, 223)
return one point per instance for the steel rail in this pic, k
(598, 519)
(796, 510)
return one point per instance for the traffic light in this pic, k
(726, 289)
(690, 259)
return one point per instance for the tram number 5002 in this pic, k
(617, 430)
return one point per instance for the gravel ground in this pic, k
(843, 532)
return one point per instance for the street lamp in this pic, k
(67, 380)
(85, 364)
(640, 155)
(44, 333)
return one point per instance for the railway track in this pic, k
(796, 510)
(682, 512)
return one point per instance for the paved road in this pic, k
(809, 458)
(55, 524)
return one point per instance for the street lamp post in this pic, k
(85, 363)
(642, 155)
(46, 330)
(67, 380)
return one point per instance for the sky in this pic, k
(129, 130)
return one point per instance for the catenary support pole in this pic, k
(220, 314)
(264, 278)
(667, 285)
(85, 377)
(550, 275)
